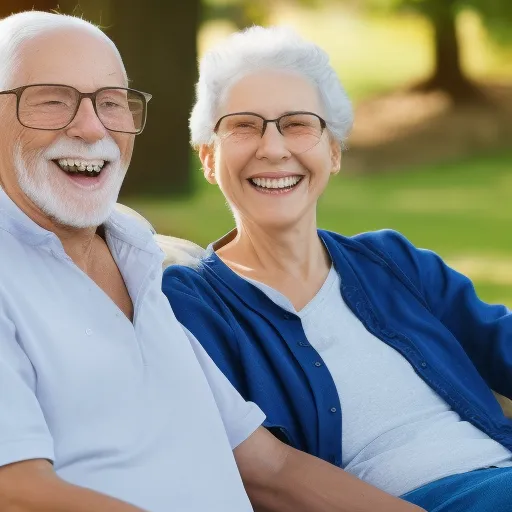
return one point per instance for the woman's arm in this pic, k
(279, 478)
(483, 330)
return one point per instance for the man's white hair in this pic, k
(259, 48)
(24, 26)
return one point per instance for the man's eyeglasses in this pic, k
(301, 130)
(54, 106)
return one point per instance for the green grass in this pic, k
(461, 210)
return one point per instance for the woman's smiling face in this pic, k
(273, 180)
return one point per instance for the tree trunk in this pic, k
(157, 41)
(448, 74)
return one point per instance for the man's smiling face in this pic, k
(73, 175)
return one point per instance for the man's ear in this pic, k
(207, 157)
(335, 157)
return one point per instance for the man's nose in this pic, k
(86, 125)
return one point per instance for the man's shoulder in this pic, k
(126, 211)
(23, 267)
(131, 230)
(15, 248)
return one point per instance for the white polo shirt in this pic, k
(137, 410)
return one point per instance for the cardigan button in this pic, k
(333, 409)
(318, 364)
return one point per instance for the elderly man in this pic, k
(106, 402)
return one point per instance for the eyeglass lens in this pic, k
(302, 131)
(53, 107)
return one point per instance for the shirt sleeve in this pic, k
(24, 434)
(240, 418)
(483, 330)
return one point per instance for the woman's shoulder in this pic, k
(193, 291)
(384, 241)
(183, 277)
(184, 271)
(204, 283)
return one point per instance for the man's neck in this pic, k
(78, 243)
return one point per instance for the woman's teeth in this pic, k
(87, 168)
(276, 183)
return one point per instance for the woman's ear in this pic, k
(207, 157)
(335, 157)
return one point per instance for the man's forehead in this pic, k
(73, 57)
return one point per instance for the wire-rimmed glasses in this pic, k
(302, 130)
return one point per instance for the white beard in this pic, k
(56, 196)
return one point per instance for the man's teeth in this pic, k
(287, 182)
(72, 165)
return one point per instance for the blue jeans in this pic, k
(484, 490)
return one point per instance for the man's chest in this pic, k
(104, 272)
(101, 380)
(86, 354)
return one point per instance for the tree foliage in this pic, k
(495, 14)
(242, 13)
(447, 75)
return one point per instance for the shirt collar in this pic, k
(19, 224)
(118, 226)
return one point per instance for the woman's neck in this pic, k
(291, 260)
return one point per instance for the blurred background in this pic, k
(431, 150)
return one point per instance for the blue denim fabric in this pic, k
(485, 490)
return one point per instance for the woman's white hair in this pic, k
(24, 26)
(258, 48)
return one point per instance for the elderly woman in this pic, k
(364, 351)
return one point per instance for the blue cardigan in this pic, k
(407, 297)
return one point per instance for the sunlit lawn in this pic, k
(463, 211)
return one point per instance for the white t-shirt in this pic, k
(137, 410)
(397, 433)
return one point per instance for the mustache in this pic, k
(104, 149)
